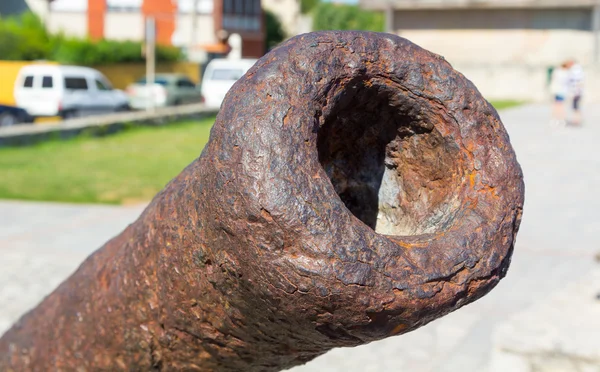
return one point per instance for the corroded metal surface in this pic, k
(355, 187)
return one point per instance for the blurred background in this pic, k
(154, 74)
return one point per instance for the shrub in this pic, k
(307, 5)
(86, 52)
(275, 33)
(329, 16)
(25, 38)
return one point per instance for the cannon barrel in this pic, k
(354, 187)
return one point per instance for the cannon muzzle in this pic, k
(354, 187)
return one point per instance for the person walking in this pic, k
(576, 89)
(559, 87)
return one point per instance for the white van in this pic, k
(219, 77)
(67, 91)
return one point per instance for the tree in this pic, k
(23, 38)
(329, 16)
(275, 33)
(307, 5)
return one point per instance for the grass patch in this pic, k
(128, 167)
(504, 104)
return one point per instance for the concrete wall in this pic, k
(532, 47)
(466, 4)
(542, 36)
(505, 52)
(494, 19)
(523, 82)
(124, 26)
(205, 33)
(69, 23)
(39, 7)
(508, 82)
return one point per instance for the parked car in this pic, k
(67, 91)
(167, 90)
(10, 115)
(219, 77)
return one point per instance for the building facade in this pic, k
(177, 23)
(507, 48)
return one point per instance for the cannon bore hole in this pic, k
(386, 160)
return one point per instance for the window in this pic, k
(228, 6)
(28, 82)
(101, 86)
(47, 82)
(124, 5)
(257, 9)
(185, 83)
(76, 83)
(227, 74)
(239, 6)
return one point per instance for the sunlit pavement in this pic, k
(41, 244)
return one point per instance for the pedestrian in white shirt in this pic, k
(559, 87)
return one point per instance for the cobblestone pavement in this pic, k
(41, 244)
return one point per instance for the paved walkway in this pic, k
(555, 246)
(43, 243)
(558, 238)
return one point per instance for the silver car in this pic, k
(167, 90)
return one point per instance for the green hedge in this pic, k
(86, 52)
(330, 16)
(24, 38)
(275, 33)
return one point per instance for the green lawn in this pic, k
(127, 167)
(500, 105)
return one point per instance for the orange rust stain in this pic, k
(490, 191)
(399, 328)
(266, 215)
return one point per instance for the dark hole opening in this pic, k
(386, 161)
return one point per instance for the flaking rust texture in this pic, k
(354, 187)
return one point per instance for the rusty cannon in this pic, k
(354, 187)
